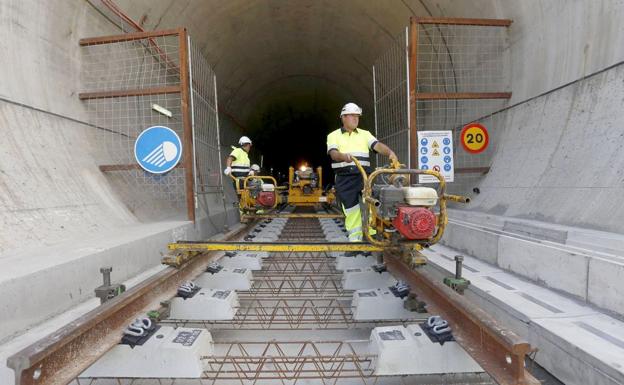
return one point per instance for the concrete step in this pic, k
(591, 275)
(41, 283)
(577, 343)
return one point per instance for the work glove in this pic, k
(227, 170)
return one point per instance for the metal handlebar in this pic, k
(398, 169)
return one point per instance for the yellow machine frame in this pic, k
(408, 249)
(246, 202)
(380, 224)
(296, 197)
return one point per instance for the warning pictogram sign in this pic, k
(438, 145)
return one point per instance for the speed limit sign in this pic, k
(474, 138)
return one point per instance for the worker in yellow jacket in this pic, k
(343, 145)
(238, 164)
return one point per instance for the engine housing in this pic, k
(266, 198)
(415, 223)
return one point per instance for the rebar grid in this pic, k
(292, 313)
(302, 361)
(288, 314)
(301, 285)
(285, 266)
(288, 360)
(447, 379)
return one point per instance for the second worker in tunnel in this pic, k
(238, 162)
(343, 145)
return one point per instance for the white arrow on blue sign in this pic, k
(158, 149)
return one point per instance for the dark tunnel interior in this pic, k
(289, 125)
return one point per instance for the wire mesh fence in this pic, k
(453, 115)
(458, 74)
(133, 82)
(206, 133)
(460, 58)
(391, 99)
(135, 66)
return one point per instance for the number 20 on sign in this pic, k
(474, 138)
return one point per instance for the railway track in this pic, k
(295, 323)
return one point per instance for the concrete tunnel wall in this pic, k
(546, 161)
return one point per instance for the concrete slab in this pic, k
(576, 343)
(35, 281)
(604, 284)
(357, 262)
(581, 350)
(393, 344)
(551, 266)
(472, 241)
(365, 278)
(590, 274)
(241, 261)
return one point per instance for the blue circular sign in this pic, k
(446, 141)
(424, 141)
(447, 167)
(158, 149)
(424, 159)
(447, 150)
(424, 167)
(423, 150)
(447, 159)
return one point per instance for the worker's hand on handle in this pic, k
(227, 170)
(347, 158)
(394, 160)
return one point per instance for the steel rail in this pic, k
(498, 350)
(61, 356)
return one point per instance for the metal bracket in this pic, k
(457, 283)
(107, 290)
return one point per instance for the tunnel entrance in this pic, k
(435, 74)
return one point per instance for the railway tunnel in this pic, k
(541, 237)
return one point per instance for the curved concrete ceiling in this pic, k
(255, 45)
(305, 58)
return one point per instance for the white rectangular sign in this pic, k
(435, 152)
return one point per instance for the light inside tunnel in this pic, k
(289, 124)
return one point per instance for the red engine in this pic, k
(266, 198)
(415, 222)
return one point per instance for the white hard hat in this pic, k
(351, 108)
(244, 140)
(255, 167)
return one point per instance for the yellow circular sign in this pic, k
(474, 138)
